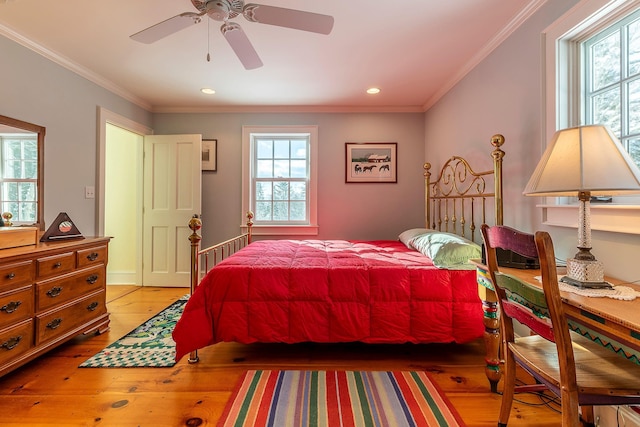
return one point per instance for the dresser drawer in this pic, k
(56, 264)
(92, 256)
(17, 274)
(54, 323)
(16, 340)
(60, 289)
(16, 305)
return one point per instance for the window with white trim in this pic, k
(279, 178)
(567, 93)
(19, 177)
(611, 89)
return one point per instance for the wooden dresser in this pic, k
(49, 293)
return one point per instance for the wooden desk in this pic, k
(613, 323)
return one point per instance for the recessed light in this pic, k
(373, 90)
(207, 91)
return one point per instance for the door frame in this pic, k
(108, 117)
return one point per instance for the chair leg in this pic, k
(586, 416)
(508, 389)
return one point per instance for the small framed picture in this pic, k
(371, 162)
(209, 154)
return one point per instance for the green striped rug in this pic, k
(338, 398)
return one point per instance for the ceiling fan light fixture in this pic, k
(207, 91)
(373, 90)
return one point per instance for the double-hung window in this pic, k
(19, 176)
(279, 179)
(611, 89)
(592, 60)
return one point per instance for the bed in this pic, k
(416, 289)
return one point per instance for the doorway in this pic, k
(119, 186)
(148, 187)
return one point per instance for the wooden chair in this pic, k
(579, 371)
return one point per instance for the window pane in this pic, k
(14, 150)
(281, 211)
(31, 169)
(606, 110)
(31, 150)
(26, 213)
(634, 107)
(298, 168)
(12, 169)
(634, 48)
(280, 190)
(263, 191)
(281, 169)
(633, 146)
(265, 169)
(263, 211)
(299, 149)
(298, 191)
(281, 149)
(606, 61)
(265, 149)
(298, 211)
(27, 191)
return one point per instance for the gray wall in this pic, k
(345, 211)
(36, 90)
(503, 95)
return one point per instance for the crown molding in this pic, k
(73, 67)
(496, 41)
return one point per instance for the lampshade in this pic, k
(584, 161)
(581, 159)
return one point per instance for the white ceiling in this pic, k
(414, 50)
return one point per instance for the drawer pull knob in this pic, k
(11, 276)
(54, 323)
(11, 307)
(92, 279)
(11, 343)
(55, 291)
(92, 256)
(92, 306)
(57, 265)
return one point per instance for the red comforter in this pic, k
(293, 291)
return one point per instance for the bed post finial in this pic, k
(249, 225)
(195, 224)
(427, 193)
(497, 140)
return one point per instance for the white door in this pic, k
(172, 195)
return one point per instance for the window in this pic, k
(575, 95)
(279, 178)
(19, 176)
(611, 90)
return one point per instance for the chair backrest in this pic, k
(540, 309)
(537, 308)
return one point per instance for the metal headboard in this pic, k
(457, 200)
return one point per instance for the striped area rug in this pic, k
(338, 398)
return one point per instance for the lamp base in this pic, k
(585, 274)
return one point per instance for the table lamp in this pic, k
(584, 161)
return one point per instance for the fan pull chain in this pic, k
(208, 40)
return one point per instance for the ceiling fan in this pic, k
(225, 10)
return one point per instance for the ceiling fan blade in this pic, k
(166, 28)
(241, 45)
(289, 18)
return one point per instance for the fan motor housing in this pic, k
(219, 10)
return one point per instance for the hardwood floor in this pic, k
(52, 390)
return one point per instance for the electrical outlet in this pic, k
(89, 192)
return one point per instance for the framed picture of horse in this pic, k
(371, 162)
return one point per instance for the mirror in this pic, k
(22, 171)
